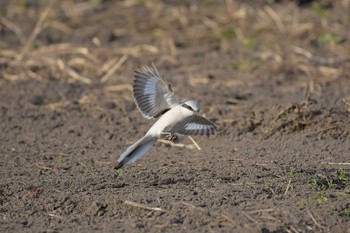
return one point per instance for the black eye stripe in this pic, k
(188, 107)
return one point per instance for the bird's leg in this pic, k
(169, 136)
(173, 137)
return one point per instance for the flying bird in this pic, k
(155, 99)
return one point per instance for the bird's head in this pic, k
(191, 105)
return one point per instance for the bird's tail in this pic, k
(136, 151)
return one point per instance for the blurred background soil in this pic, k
(273, 75)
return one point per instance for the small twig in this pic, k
(227, 121)
(227, 218)
(56, 105)
(320, 60)
(62, 48)
(35, 31)
(193, 206)
(107, 66)
(194, 142)
(333, 163)
(275, 18)
(175, 144)
(121, 87)
(34, 75)
(56, 190)
(283, 111)
(260, 211)
(114, 68)
(321, 130)
(314, 220)
(60, 27)
(72, 73)
(347, 103)
(250, 218)
(41, 166)
(138, 205)
(82, 164)
(56, 153)
(55, 215)
(288, 186)
(269, 217)
(102, 162)
(294, 230)
(238, 184)
(13, 27)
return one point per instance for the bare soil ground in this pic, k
(273, 75)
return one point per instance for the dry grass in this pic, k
(138, 205)
(224, 24)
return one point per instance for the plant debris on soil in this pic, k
(274, 76)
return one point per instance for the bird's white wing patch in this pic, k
(152, 94)
(198, 126)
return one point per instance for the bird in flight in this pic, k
(155, 99)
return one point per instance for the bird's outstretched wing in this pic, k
(198, 126)
(152, 95)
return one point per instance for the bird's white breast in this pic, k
(171, 121)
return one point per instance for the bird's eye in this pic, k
(188, 107)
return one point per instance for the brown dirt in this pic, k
(274, 76)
